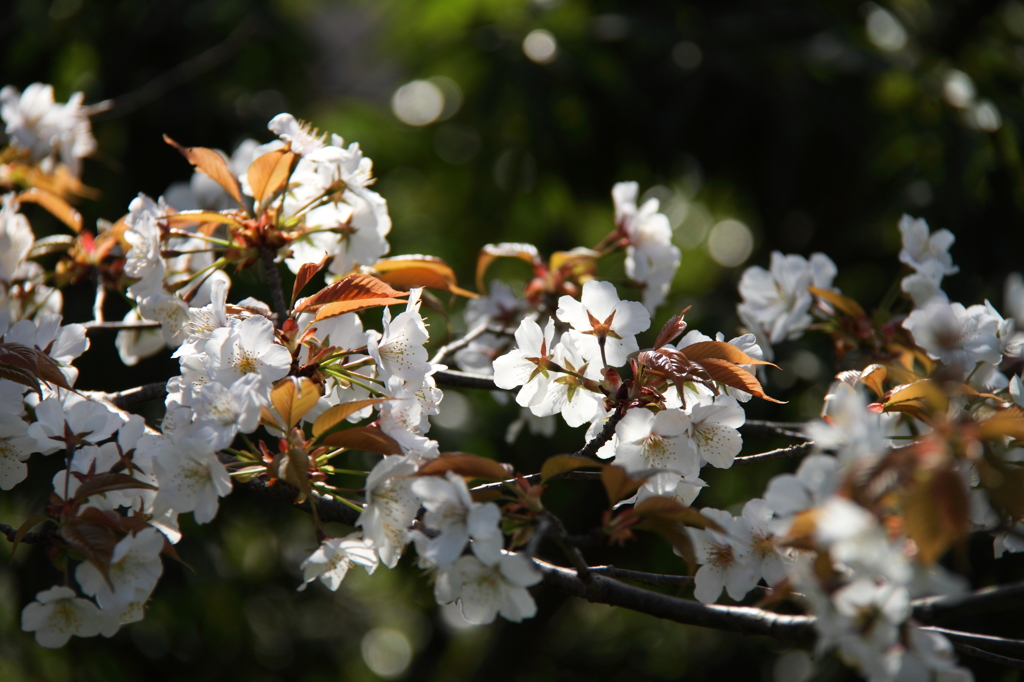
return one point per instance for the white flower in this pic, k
(599, 319)
(16, 238)
(566, 394)
(855, 539)
(457, 519)
(959, 337)
(390, 508)
(816, 479)
(920, 247)
(89, 421)
(137, 344)
(190, 476)
(248, 348)
(645, 440)
(500, 306)
(925, 285)
(228, 410)
(755, 524)
(777, 300)
(399, 350)
(300, 136)
(485, 591)
(48, 130)
(869, 614)
(135, 567)
(928, 651)
(332, 559)
(713, 430)
(15, 448)
(726, 561)
(853, 431)
(651, 258)
(57, 614)
(526, 365)
(479, 355)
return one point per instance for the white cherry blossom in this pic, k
(921, 247)
(486, 591)
(332, 559)
(248, 348)
(726, 560)
(815, 480)
(957, 336)
(16, 446)
(399, 350)
(599, 316)
(135, 567)
(456, 519)
(651, 258)
(566, 394)
(58, 614)
(776, 301)
(526, 364)
(190, 476)
(48, 130)
(391, 506)
(16, 238)
(90, 421)
(713, 430)
(657, 441)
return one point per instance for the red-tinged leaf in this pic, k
(269, 419)
(350, 289)
(872, 376)
(487, 495)
(20, 376)
(720, 350)
(200, 218)
(935, 512)
(672, 329)
(54, 205)
(293, 468)
(843, 304)
(269, 174)
(1004, 484)
(343, 307)
(491, 252)
(23, 530)
(94, 542)
(172, 553)
(365, 438)
(108, 482)
(19, 355)
(675, 534)
(334, 418)
(212, 164)
(306, 272)
(1008, 422)
(618, 484)
(293, 397)
(49, 371)
(407, 272)
(560, 464)
(926, 392)
(725, 372)
(467, 466)
(672, 510)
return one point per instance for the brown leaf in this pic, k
(872, 376)
(466, 465)
(335, 416)
(200, 218)
(365, 438)
(108, 482)
(269, 174)
(668, 363)
(618, 483)
(93, 541)
(293, 468)
(342, 307)
(293, 397)
(920, 393)
(935, 510)
(843, 304)
(1004, 484)
(672, 510)
(491, 252)
(725, 372)
(560, 464)
(48, 370)
(57, 207)
(408, 272)
(268, 419)
(1004, 423)
(672, 329)
(353, 288)
(30, 523)
(675, 533)
(212, 164)
(720, 350)
(306, 272)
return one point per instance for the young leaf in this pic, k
(57, 207)
(935, 510)
(199, 218)
(306, 272)
(49, 371)
(355, 288)
(560, 464)
(269, 173)
(365, 438)
(672, 510)
(108, 482)
(672, 329)
(407, 272)
(467, 466)
(491, 252)
(30, 523)
(212, 164)
(342, 307)
(722, 351)
(843, 304)
(93, 541)
(335, 416)
(725, 372)
(293, 397)
(618, 484)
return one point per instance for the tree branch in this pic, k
(274, 283)
(781, 453)
(1010, 647)
(754, 427)
(986, 600)
(117, 326)
(455, 379)
(969, 650)
(329, 509)
(591, 448)
(29, 539)
(447, 349)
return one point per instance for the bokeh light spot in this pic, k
(730, 243)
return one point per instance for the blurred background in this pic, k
(798, 126)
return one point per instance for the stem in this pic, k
(591, 448)
(274, 282)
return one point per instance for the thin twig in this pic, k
(1014, 647)
(118, 326)
(536, 478)
(974, 651)
(29, 539)
(445, 350)
(274, 283)
(132, 397)
(328, 508)
(754, 427)
(781, 453)
(180, 74)
(455, 379)
(986, 600)
(591, 448)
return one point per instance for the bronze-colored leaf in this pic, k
(725, 372)
(560, 464)
(293, 397)
(872, 376)
(269, 173)
(93, 541)
(23, 530)
(342, 307)
(490, 252)
(466, 465)
(935, 512)
(675, 533)
(108, 482)
(306, 272)
(720, 350)
(1004, 484)
(672, 329)
(293, 468)
(351, 289)
(212, 164)
(673, 510)
(619, 484)
(843, 304)
(54, 205)
(925, 392)
(1009, 422)
(200, 218)
(48, 370)
(335, 416)
(408, 272)
(365, 438)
